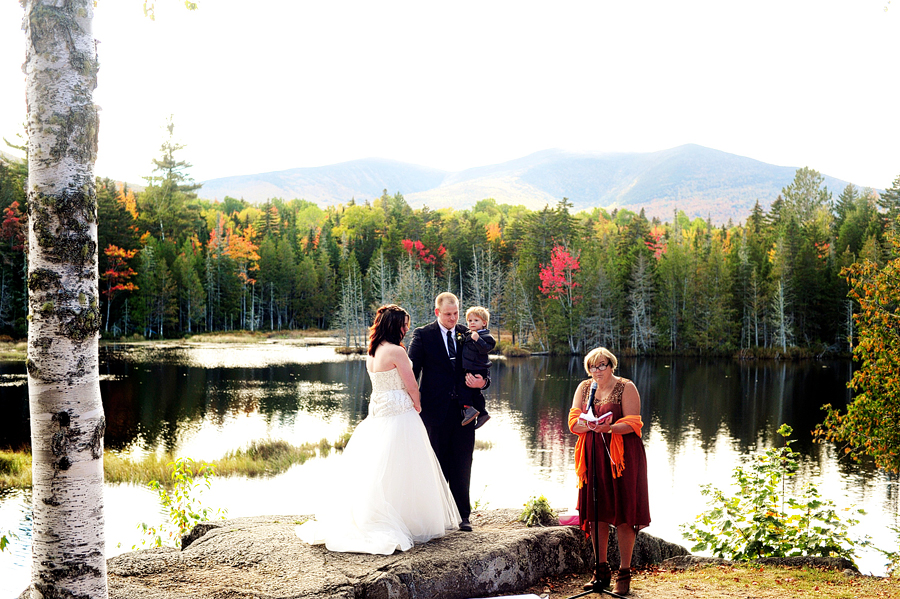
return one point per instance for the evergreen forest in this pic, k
(174, 264)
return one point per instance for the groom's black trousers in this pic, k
(453, 444)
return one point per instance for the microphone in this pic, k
(591, 399)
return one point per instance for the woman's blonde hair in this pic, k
(595, 356)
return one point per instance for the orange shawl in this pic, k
(616, 446)
(580, 466)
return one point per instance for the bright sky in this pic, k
(266, 86)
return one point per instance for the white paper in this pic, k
(589, 416)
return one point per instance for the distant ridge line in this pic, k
(703, 182)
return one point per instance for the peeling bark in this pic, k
(67, 421)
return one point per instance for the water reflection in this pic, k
(702, 417)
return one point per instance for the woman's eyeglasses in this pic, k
(599, 367)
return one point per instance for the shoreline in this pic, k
(14, 350)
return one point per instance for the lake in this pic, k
(702, 417)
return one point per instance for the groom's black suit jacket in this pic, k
(439, 382)
(440, 377)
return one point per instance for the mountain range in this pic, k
(703, 182)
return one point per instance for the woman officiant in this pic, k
(606, 416)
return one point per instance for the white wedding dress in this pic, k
(390, 491)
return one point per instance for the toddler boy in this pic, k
(477, 344)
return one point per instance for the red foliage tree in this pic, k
(558, 277)
(425, 256)
(658, 244)
(13, 227)
(117, 274)
(558, 283)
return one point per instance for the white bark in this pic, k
(485, 285)
(381, 279)
(783, 321)
(640, 300)
(414, 290)
(67, 421)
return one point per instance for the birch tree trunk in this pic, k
(67, 421)
(640, 300)
(783, 321)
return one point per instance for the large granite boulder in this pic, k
(262, 557)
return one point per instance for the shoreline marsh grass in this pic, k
(259, 458)
(12, 351)
(266, 458)
(15, 469)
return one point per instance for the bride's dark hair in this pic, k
(388, 326)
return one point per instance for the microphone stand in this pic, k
(596, 588)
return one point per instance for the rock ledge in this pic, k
(261, 557)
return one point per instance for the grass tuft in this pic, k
(349, 351)
(342, 441)
(264, 458)
(260, 458)
(117, 469)
(15, 469)
(11, 350)
(512, 351)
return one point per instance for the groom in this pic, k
(435, 353)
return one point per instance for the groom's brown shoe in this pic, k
(465, 526)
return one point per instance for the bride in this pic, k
(390, 491)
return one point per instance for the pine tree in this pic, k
(162, 204)
(806, 195)
(191, 295)
(846, 202)
(889, 201)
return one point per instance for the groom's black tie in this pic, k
(451, 348)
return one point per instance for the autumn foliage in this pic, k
(12, 228)
(418, 250)
(871, 424)
(118, 272)
(558, 277)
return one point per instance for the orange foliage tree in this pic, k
(241, 249)
(117, 274)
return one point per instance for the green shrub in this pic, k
(182, 504)
(538, 512)
(893, 565)
(761, 520)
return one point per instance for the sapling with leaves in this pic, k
(181, 502)
(763, 520)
